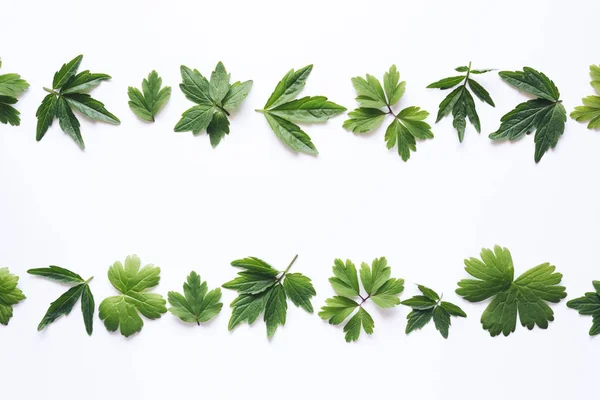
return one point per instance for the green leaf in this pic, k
(533, 82)
(289, 87)
(91, 108)
(589, 304)
(219, 83)
(394, 90)
(83, 82)
(545, 117)
(67, 71)
(480, 92)
(308, 109)
(446, 83)
(194, 86)
(405, 129)
(380, 288)
(195, 119)
(590, 110)
(370, 93)
(420, 303)
(526, 296)
(61, 306)
(196, 304)
(447, 105)
(441, 320)
(236, 94)
(429, 293)
(45, 115)
(360, 319)
(453, 309)
(88, 307)
(275, 309)
(68, 122)
(218, 128)
(58, 274)
(263, 288)
(147, 103)
(418, 319)
(363, 120)
(291, 134)
(12, 85)
(123, 311)
(299, 289)
(10, 295)
(9, 114)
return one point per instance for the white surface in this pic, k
(177, 203)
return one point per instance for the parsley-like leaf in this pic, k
(10, 295)
(378, 286)
(459, 101)
(408, 125)
(590, 110)
(264, 290)
(11, 86)
(123, 311)
(526, 296)
(283, 112)
(546, 114)
(196, 304)
(430, 306)
(65, 303)
(148, 102)
(215, 100)
(589, 304)
(68, 93)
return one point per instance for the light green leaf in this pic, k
(147, 104)
(291, 134)
(590, 110)
(345, 282)
(360, 319)
(10, 295)
(446, 83)
(308, 109)
(9, 114)
(236, 94)
(196, 304)
(219, 83)
(363, 120)
(393, 90)
(299, 289)
(289, 87)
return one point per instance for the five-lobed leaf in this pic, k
(589, 304)
(282, 111)
(65, 303)
(215, 100)
(122, 312)
(68, 93)
(196, 304)
(545, 115)
(407, 126)
(10, 295)
(460, 102)
(527, 296)
(149, 101)
(590, 110)
(379, 287)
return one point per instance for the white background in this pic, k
(173, 200)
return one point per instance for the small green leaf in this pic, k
(363, 120)
(430, 293)
(218, 128)
(45, 115)
(289, 87)
(480, 92)
(88, 306)
(275, 309)
(68, 122)
(446, 83)
(308, 109)
(360, 319)
(420, 303)
(299, 289)
(148, 103)
(9, 114)
(58, 274)
(195, 119)
(345, 282)
(590, 110)
(83, 82)
(394, 90)
(62, 306)
(196, 305)
(91, 108)
(10, 295)
(441, 320)
(66, 72)
(236, 94)
(219, 83)
(291, 134)
(418, 319)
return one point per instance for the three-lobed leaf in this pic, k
(10, 295)
(196, 304)
(151, 99)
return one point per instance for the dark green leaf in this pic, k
(247, 308)
(441, 319)
(299, 289)
(453, 309)
(57, 273)
(289, 87)
(147, 104)
(480, 92)
(83, 82)
(88, 307)
(91, 108)
(275, 309)
(195, 119)
(66, 72)
(68, 122)
(218, 128)
(9, 114)
(418, 319)
(195, 86)
(236, 94)
(62, 306)
(420, 303)
(430, 293)
(446, 83)
(531, 81)
(45, 115)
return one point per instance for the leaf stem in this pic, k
(88, 281)
(287, 269)
(51, 91)
(468, 73)
(222, 109)
(364, 299)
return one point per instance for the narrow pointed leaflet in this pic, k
(69, 93)
(427, 306)
(283, 111)
(378, 286)
(122, 312)
(151, 99)
(80, 289)
(215, 100)
(11, 86)
(527, 296)
(264, 290)
(196, 304)
(375, 103)
(590, 110)
(589, 304)
(10, 295)
(545, 115)
(460, 101)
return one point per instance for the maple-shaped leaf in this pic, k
(527, 296)
(70, 93)
(264, 290)
(378, 287)
(283, 111)
(149, 101)
(123, 311)
(11, 86)
(427, 306)
(460, 101)
(10, 295)
(376, 102)
(545, 115)
(196, 304)
(65, 303)
(590, 110)
(215, 100)
(589, 304)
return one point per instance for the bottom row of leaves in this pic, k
(264, 290)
